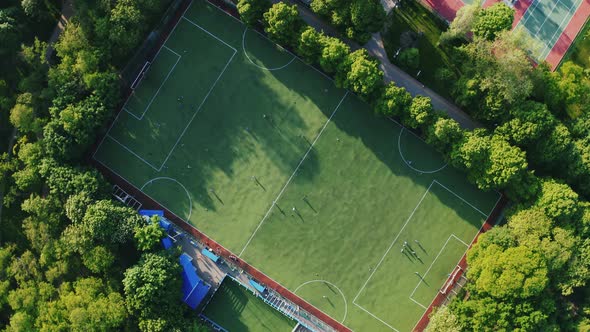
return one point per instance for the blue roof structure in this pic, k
(165, 224)
(167, 242)
(209, 254)
(257, 286)
(194, 289)
(149, 213)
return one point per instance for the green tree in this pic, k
(558, 201)
(152, 288)
(443, 319)
(333, 55)
(110, 223)
(33, 8)
(82, 119)
(251, 11)
(443, 134)
(360, 74)
(410, 58)
(283, 24)
(491, 20)
(23, 115)
(9, 32)
(366, 16)
(147, 237)
(98, 259)
(311, 44)
(420, 113)
(86, 305)
(394, 101)
(506, 273)
(461, 25)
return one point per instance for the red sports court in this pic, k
(553, 23)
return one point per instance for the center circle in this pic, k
(325, 296)
(418, 155)
(263, 53)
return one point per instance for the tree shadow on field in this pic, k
(251, 114)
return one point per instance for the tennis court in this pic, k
(266, 156)
(546, 21)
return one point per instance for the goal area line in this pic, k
(198, 109)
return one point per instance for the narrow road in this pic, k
(391, 72)
(67, 10)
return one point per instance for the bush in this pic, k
(409, 58)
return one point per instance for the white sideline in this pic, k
(292, 175)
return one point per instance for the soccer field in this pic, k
(237, 310)
(266, 156)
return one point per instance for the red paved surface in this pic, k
(448, 10)
(569, 34)
(439, 299)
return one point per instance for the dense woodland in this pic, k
(72, 259)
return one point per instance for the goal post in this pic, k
(141, 75)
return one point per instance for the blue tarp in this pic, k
(257, 286)
(165, 224)
(194, 289)
(167, 243)
(149, 213)
(209, 254)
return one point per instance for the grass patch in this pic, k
(413, 17)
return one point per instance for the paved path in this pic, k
(392, 72)
(67, 10)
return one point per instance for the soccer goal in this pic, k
(141, 75)
(454, 277)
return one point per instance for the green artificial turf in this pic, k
(296, 176)
(412, 16)
(237, 310)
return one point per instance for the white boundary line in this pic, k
(190, 199)
(331, 284)
(431, 264)
(461, 198)
(400, 232)
(257, 65)
(209, 33)
(399, 148)
(292, 175)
